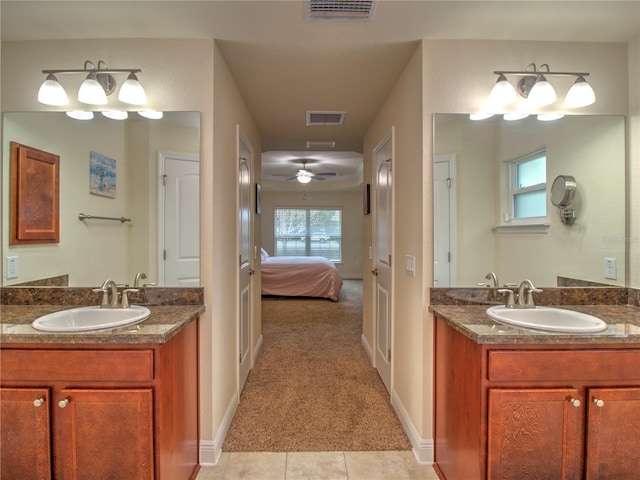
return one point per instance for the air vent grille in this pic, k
(325, 118)
(339, 9)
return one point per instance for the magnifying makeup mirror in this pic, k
(563, 191)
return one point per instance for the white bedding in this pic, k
(300, 277)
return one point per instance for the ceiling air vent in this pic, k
(339, 9)
(325, 118)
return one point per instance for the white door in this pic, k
(245, 218)
(444, 221)
(383, 189)
(178, 220)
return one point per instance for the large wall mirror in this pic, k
(139, 181)
(487, 222)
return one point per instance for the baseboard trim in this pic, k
(422, 448)
(256, 351)
(351, 276)
(211, 450)
(367, 347)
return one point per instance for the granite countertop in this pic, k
(164, 322)
(473, 322)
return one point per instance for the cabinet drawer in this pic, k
(555, 365)
(77, 365)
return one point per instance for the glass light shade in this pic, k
(80, 115)
(304, 178)
(132, 92)
(580, 94)
(115, 114)
(151, 114)
(52, 93)
(480, 116)
(515, 116)
(502, 93)
(542, 93)
(91, 92)
(548, 117)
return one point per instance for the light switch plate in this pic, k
(12, 267)
(410, 265)
(610, 269)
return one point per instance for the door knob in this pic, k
(375, 272)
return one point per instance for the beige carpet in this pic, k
(313, 387)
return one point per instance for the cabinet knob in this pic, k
(38, 402)
(63, 403)
(575, 402)
(598, 402)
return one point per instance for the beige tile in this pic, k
(255, 466)
(386, 466)
(316, 466)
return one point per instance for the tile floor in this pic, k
(318, 466)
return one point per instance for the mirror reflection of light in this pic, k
(480, 116)
(115, 114)
(151, 114)
(547, 117)
(80, 115)
(515, 116)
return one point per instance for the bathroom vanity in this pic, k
(121, 403)
(519, 404)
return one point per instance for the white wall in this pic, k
(410, 373)
(349, 202)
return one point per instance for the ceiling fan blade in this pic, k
(327, 174)
(317, 178)
(292, 178)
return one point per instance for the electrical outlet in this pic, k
(12, 267)
(610, 269)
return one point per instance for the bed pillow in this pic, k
(263, 254)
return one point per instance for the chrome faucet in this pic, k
(524, 295)
(494, 279)
(139, 276)
(526, 287)
(111, 297)
(110, 294)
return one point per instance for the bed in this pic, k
(300, 277)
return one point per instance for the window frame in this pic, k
(514, 190)
(307, 235)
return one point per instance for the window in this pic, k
(309, 232)
(528, 186)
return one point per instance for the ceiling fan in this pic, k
(303, 175)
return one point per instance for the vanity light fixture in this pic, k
(151, 114)
(98, 85)
(535, 87)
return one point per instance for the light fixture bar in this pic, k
(538, 72)
(98, 84)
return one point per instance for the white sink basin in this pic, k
(547, 318)
(87, 319)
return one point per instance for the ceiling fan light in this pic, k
(52, 93)
(580, 94)
(304, 178)
(91, 92)
(542, 93)
(502, 93)
(131, 91)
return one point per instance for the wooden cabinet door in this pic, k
(534, 434)
(25, 451)
(613, 434)
(104, 434)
